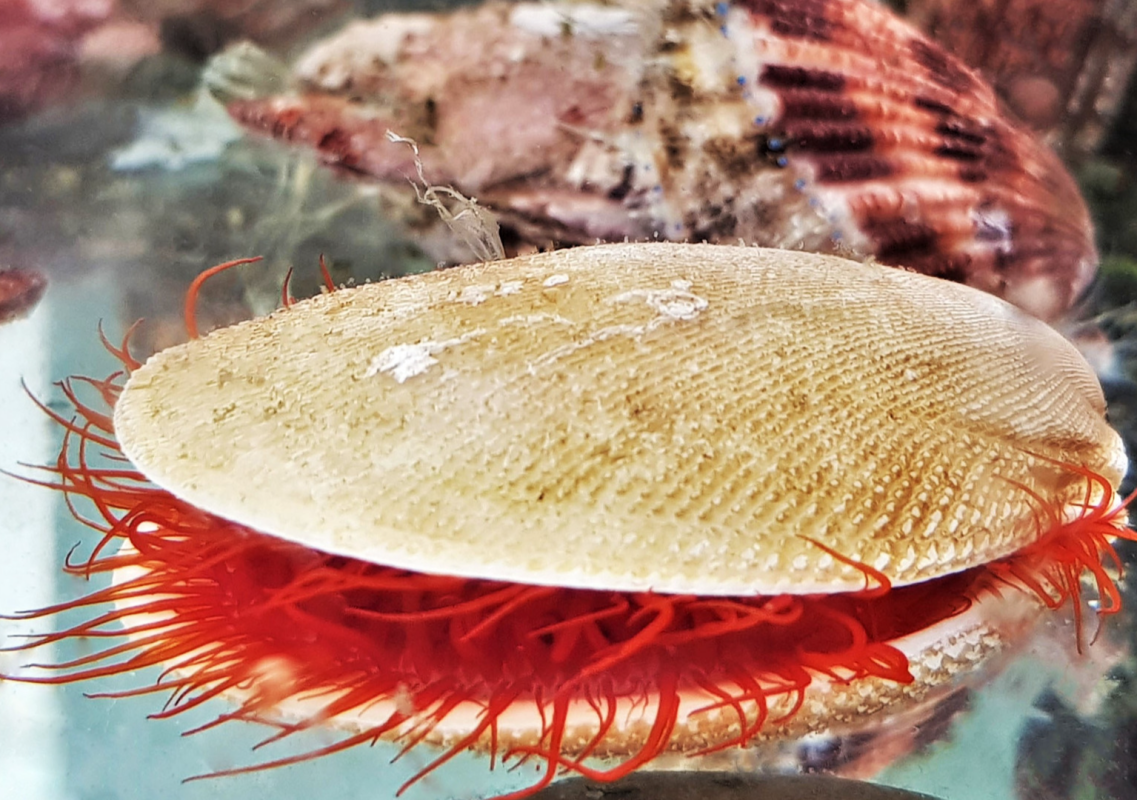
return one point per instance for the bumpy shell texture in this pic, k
(826, 125)
(678, 417)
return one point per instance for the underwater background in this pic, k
(121, 178)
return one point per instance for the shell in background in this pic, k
(826, 125)
(20, 291)
(634, 416)
(1062, 65)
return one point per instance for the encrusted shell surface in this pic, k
(826, 125)
(678, 417)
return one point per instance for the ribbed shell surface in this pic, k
(824, 125)
(682, 418)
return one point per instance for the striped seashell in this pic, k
(1063, 66)
(825, 125)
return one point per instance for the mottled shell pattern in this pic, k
(825, 125)
(684, 418)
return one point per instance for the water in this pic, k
(122, 193)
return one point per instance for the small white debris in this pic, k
(681, 285)
(672, 303)
(508, 288)
(534, 319)
(559, 279)
(476, 295)
(476, 226)
(405, 361)
(585, 20)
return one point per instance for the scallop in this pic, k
(825, 125)
(525, 420)
(596, 507)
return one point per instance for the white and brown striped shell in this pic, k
(826, 125)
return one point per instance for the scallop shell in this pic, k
(826, 125)
(1062, 65)
(681, 418)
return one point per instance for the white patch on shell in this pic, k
(589, 21)
(477, 294)
(333, 63)
(474, 295)
(1037, 294)
(828, 209)
(559, 279)
(404, 361)
(748, 61)
(534, 319)
(674, 303)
